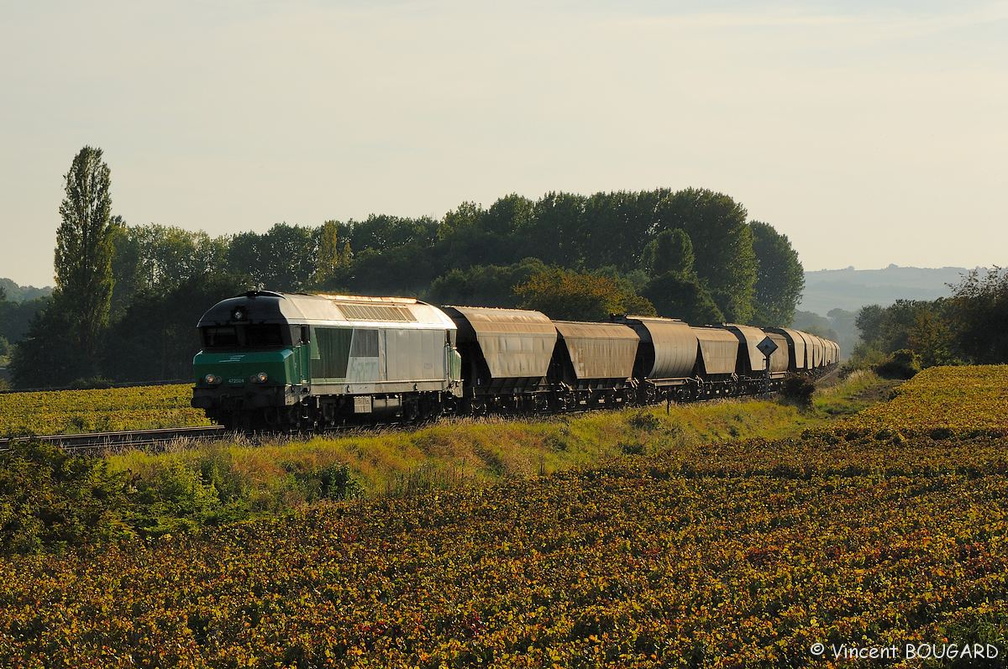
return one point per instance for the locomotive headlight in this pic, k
(261, 377)
(211, 379)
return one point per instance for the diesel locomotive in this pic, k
(296, 361)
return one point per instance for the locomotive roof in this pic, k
(333, 310)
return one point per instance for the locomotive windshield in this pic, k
(259, 336)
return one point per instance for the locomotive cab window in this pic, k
(259, 336)
(217, 338)
(269, 335)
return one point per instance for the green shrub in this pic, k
(51, 500)
(334, 482)
(179, 496)
(798, 390)
(171, 499)
(903, 364)
(217, 469)
(91, 383)
(632, 448)
(644, 420)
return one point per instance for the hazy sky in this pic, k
(868, 132)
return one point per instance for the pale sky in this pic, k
(869, 133)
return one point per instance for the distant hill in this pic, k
(850, 289)
(16, 293)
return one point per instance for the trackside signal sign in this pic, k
(767, 346)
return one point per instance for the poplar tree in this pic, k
(84, 253)
(328, 260)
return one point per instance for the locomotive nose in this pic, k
(227, 380)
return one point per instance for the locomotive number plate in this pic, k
(362, 404)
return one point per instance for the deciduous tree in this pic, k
(330, 256)
(780, 277)
(671, 251)
(979, 313)
(722, 245)
(281, 259)
(569, 295)
(616, 228)
(557, 231)
(675, 295)
(157, 259)
(485, 285)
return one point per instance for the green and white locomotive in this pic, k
(280, 360)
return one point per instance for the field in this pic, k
(887, 529)
(106, 410)
(946, 400)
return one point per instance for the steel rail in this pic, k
(112, 441)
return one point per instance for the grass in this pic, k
(858, 391)
(195, 484)
(286, 472)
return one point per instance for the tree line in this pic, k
(127, 297)
(969, 327)
(17, 308)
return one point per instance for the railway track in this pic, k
(116, 441)
(832, 377)
(105, 442)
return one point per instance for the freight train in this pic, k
(286, 361)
